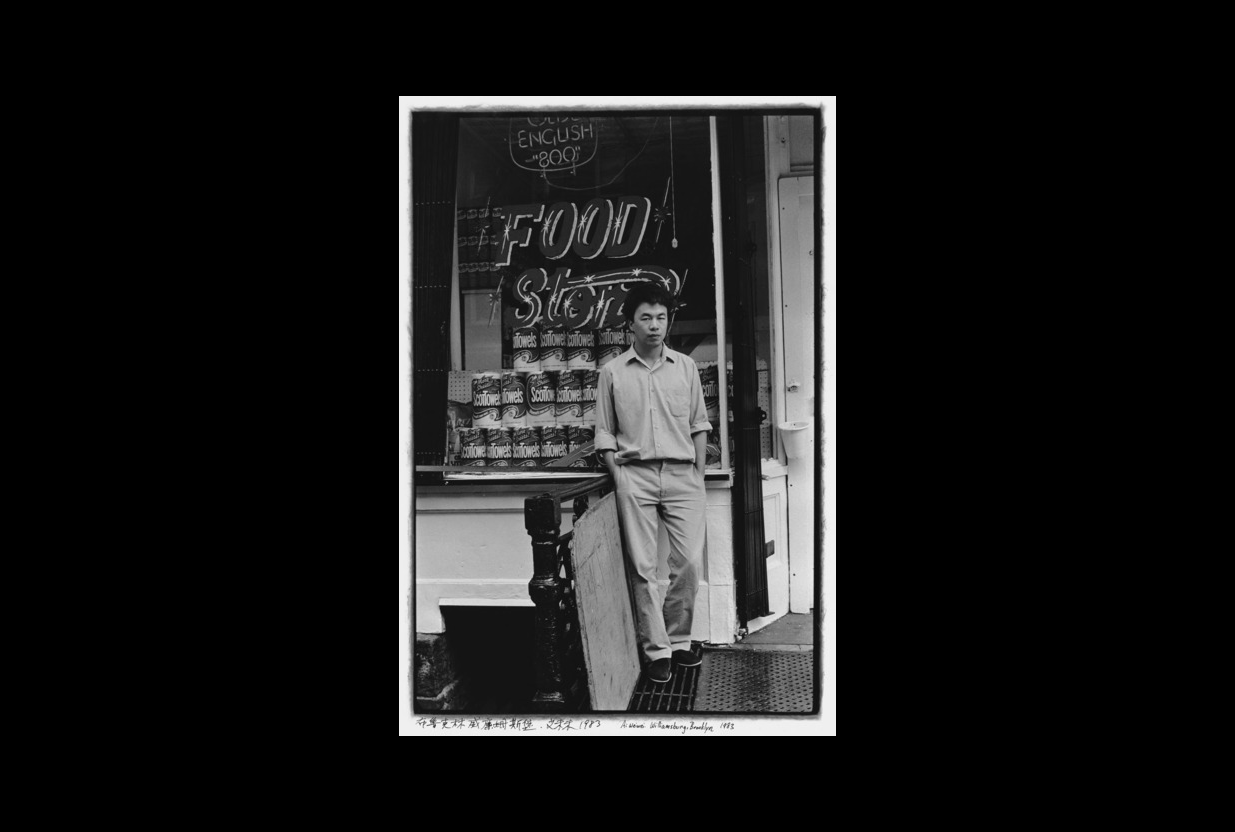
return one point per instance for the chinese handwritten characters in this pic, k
(475, 724)
(573, 725)
(508, 725)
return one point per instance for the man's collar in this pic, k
(667, 354)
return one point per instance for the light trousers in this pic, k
(649, 493)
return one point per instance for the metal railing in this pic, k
(561, 684)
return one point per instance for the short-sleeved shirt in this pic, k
(652, 411)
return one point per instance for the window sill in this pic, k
(474, 482)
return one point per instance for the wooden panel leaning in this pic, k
(606, 620)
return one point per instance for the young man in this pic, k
(651, 432)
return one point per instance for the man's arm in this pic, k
(606, 421)
(699, 424)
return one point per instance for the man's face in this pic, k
(649, 325)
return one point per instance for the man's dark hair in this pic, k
(647, 293)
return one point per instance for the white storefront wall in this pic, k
(473, 550)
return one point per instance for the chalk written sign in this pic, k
(583, 301)
(552, 143)
(604, 229)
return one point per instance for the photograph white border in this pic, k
(825, 723)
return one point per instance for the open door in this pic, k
(741, 304)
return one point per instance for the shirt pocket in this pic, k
(678, 402)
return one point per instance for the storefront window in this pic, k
(557, 217)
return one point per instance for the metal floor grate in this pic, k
(756, 682)
(675, 696)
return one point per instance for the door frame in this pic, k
(800, 473)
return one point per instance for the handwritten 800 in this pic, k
(570, 142)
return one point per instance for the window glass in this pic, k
(557, 217)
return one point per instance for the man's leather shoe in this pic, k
(659, 671)
(685, 658)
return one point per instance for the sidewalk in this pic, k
(771, 671)
(791, 632)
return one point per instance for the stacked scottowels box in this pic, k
(525, 419)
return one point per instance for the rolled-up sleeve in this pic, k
(698, 408)
(606, 417)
